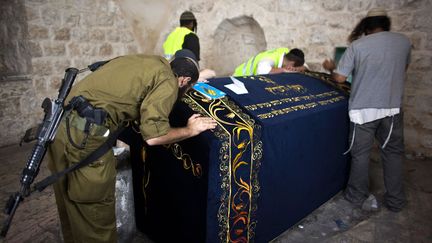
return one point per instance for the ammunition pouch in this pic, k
(86, 110)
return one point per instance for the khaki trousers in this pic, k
(85, 198)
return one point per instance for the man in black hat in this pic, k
(183, 37)
(139, 89)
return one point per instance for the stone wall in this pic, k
(65, 32)
(14, 52)
(16, 90)
(52, 35)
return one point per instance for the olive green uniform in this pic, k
(128, 88)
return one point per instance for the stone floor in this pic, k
(36, 219)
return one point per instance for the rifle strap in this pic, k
(101, 150)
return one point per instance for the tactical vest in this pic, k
(174, 41)
(250, 67)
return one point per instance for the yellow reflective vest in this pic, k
(174, 41)
(250, 67)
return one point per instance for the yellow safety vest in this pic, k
(250, 67)
(174, 41)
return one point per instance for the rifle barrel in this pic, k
(12, 211)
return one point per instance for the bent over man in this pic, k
(276, 60)
(129, 88)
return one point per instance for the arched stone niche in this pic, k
(235, 41)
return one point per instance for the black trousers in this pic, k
(392, 160)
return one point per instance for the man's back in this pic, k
(379, 62)
(181, 38)
(270, 58)
(120, 86)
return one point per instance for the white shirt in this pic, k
(266, 64)
(363, 116)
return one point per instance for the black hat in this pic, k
(187, 15)
(185, 53)
(188, 54)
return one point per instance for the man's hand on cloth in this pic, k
(197, 124)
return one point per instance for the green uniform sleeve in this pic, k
(157, 105)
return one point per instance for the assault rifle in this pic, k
(54, 110)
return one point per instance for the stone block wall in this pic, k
(16, 89)
(52, 36)
(74, 33)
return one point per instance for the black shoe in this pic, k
(393, 209)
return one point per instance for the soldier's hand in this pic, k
(198, 124)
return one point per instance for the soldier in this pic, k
(127, 89)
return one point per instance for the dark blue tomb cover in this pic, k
(276, 155)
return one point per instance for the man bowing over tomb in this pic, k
(276, 60)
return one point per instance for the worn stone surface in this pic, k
(338, 221)
(47, 31)
(36, 219)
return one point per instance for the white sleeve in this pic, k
(265, 66)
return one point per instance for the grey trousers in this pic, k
(392, 160)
